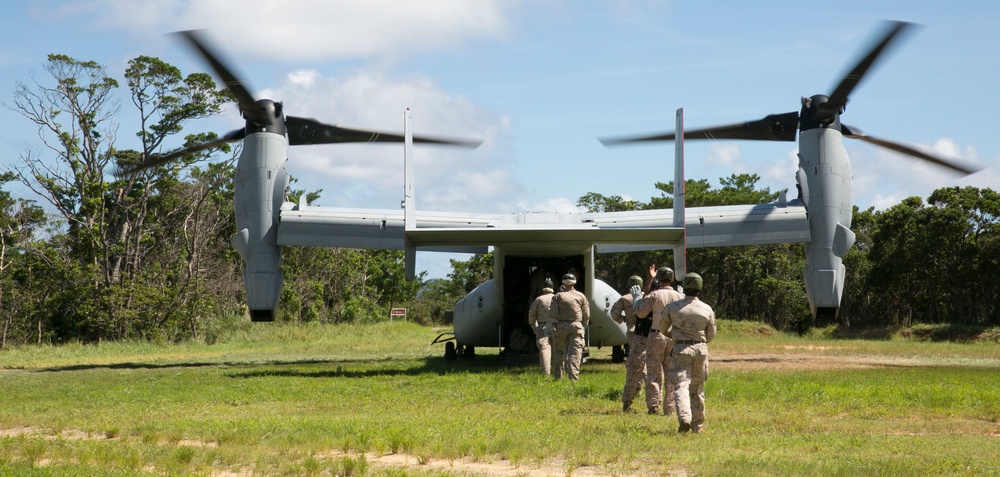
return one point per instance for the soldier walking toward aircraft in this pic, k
(573, 314)
(541, 317)
(692, 327)
(657, 343)
(635, 364)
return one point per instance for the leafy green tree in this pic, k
(595, 202)
(469, 274)
(856, 300)
(936, 262)
(19, 219)
(342, 284)
(117, 230)
(435, 299)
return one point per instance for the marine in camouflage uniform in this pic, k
(635, 364)
(542, 318)
(657, 343)
(692, 327)
(573, 315)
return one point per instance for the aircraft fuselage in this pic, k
(496, 311)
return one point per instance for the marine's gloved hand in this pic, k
(636, 292)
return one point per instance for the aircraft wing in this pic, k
(474, 233)
(460, 232)
(720, 226)
(367, 228)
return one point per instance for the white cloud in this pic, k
(726, 155)
(554, 204)
(303, 77)
(308, 29)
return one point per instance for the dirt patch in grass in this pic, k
(469, 466)
(555, 467)
(808, 362)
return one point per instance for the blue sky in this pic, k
(540, 81)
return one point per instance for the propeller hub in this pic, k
(274, 112)
(815, 115)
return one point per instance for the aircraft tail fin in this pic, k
(409, 205)
(680, 248)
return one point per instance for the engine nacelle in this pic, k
(261, 180)
(825, 181)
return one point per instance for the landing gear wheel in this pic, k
(449, 351)
(617, 354)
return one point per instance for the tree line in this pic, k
(96, 256)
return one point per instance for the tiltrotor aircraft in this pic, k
(529, 245)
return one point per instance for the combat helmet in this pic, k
(569, 279)
(634, 280)
(692, 281)
(665, 274)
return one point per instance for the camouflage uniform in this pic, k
(635, 363)
(541, 317)
(693, 327)
(573, 313)
(657, 343)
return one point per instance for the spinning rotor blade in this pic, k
(838, 99)
(247, 104)
(774, 127)
(311, 131)
(155, 160)
(855, 133)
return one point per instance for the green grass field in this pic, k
(379, 400)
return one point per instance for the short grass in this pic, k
(315, 400)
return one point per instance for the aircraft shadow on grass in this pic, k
(339, 368)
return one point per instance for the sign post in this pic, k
(397, 313)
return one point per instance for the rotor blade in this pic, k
(838, 99)
(247, 104)
(310, 131)
(155, 160)
(856, 133)
(774, 127)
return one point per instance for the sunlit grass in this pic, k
(283, 400)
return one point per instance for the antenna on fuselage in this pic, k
(409, 205)
(680, 248)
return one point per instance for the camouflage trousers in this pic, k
(657, 363)
(544, 352)
(567, 350)
(688, 372)
(635, 368)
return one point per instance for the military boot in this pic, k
(684, 427)
(652, 410)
